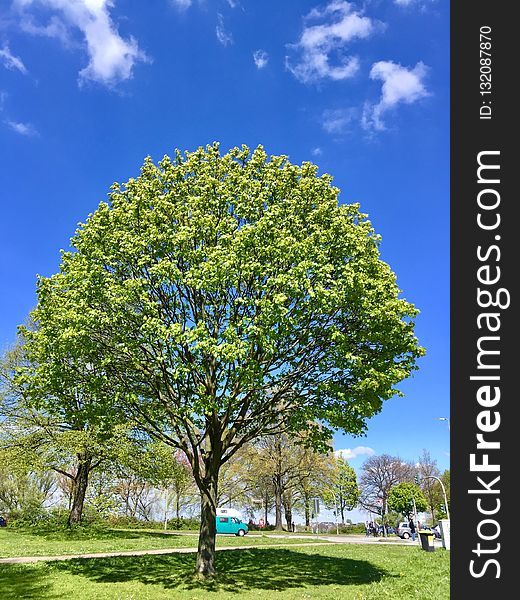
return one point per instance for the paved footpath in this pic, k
(352, 539)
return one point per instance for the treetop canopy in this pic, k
(232, 289)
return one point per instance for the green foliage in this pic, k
(50, 519)
(355, 528)
(343, 491)
(402, 496)
(23, 491)
(445, 478)
(217, 283)
(54, 416)
(217, 298)
(391, 518)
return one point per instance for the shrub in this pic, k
(125, 521)
(354, 529)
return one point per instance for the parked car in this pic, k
(231, 525)
(3, 522)
(403, 530)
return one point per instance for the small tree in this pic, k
(402, 496)
(296, 472)
(24, 489)
(315, 474)
(427, 470)
(57, 408)
(229, 297)
(441, 508)
(344, 490)
(182, 485)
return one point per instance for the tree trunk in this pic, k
(287, 508)
(288, 518)
(307, 511)
(278, 503)
(205, 565)
(80, 490)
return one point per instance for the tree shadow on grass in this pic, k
(238, 571)
(22, 581)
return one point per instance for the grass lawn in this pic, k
(342, 572)
(58, 541)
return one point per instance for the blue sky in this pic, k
(88, 88)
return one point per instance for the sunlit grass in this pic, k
(81, 540)
(338, 572)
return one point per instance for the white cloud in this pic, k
(317, 151)
(22, 128)
(320, 43)
(400, 86)
(349, 453)
(223, 36)
(55, 28)
(338, 120)
(10, 61)
(111, 57)
(261, 58)
(182, 4)
(420, 3)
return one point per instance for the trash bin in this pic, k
(427, 540)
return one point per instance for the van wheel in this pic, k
(241, 533)
(406, 535)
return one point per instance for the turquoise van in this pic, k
(230, 524)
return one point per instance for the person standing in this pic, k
(413, 530)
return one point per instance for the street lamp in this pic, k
(443, 492)
(445, 419)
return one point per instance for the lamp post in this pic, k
(443, 491)
(445, 419)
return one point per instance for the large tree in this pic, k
(379, 475)
(227, 297)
